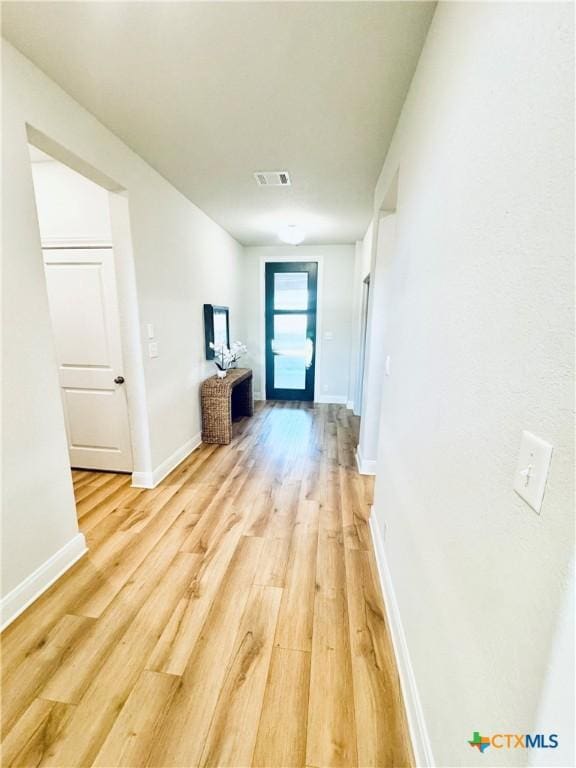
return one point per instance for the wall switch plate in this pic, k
(387, 365)
(532, 470)
(153, 349)
(328, 335)
(150, 330)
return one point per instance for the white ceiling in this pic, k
(208, 93)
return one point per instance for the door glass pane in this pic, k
(291, 290)
(289, 348)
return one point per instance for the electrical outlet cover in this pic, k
(532, 470)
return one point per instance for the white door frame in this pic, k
(294, 256)
(131, 337)
(359, 396)
(128, 305)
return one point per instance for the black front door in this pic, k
(290, 329)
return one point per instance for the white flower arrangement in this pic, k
(224, 357)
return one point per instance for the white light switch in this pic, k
(153, 349)
(387, 365)
(328, 335)
(150, 330)
(532, 470)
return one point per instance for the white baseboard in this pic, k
(29, 590)
(365, 466)
(421, 745)
(151, 479)
(331, 399)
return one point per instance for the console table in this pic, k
(225, 399)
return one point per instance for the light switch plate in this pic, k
(532, 470)
(153, 349)
(150, 330)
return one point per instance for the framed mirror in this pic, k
(216, 327)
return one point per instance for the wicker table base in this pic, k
(223, 399)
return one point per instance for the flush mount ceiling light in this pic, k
(292, 234)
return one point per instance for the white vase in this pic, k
(221, 374)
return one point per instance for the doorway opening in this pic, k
(291, 299)
(79, 266)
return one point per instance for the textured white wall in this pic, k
(182, 260)
(335, 311)
(480, 331)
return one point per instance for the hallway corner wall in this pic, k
(182, 259)
(480, 331)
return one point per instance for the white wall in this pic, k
(38, 512)
(181, 258)
(365, 252)
(480, 332)
(374, 362)
(70, 207)
(556, 710)
(362, 259)
(336, 271)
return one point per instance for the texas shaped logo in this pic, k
(480, 742)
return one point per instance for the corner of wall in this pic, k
(34, 585)
(153, 478)
(420, 739)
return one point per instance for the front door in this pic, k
(291, 289)
(84, 312)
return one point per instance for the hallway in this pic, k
(242, 625)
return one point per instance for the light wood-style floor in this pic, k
(230, 617)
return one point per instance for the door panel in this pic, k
(103, 430)
(290, 330)
(84, 312)
(289, 349)
(76, 290)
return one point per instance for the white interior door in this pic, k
(85, 321)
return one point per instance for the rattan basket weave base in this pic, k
(225, 399)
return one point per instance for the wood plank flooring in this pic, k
(231, 616)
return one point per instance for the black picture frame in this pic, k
(213, 314)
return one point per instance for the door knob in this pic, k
(119, 380)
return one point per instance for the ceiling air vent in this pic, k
(272, 178)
